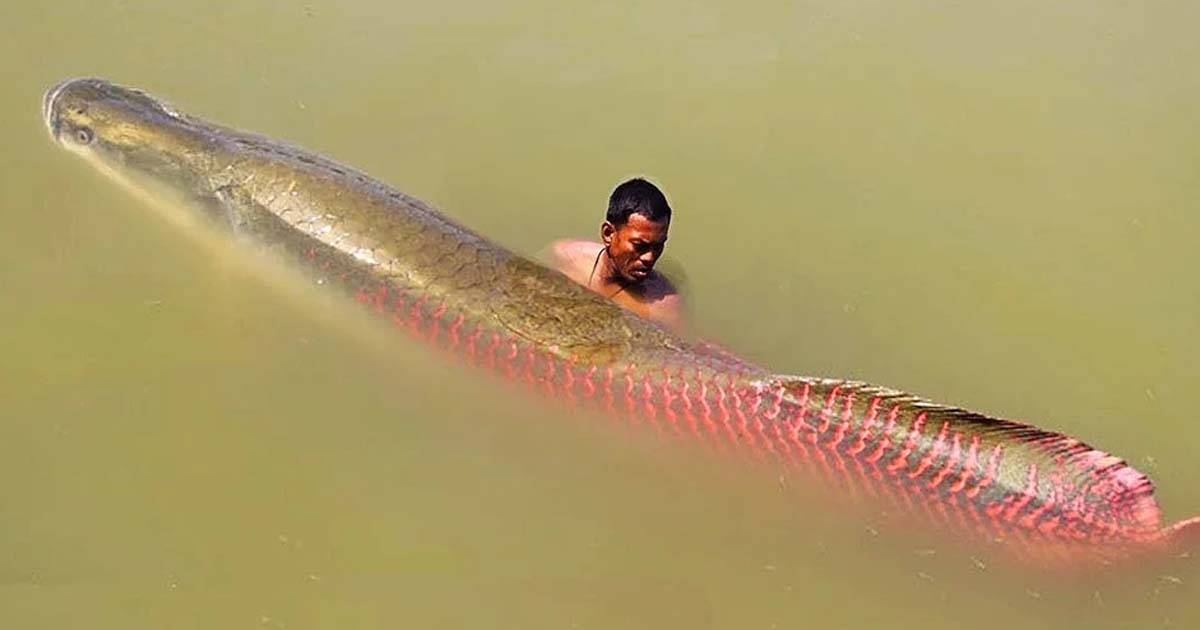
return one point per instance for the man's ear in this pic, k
(606, 232)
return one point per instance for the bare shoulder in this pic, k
(571, 249)
(659, 288)
(571, 255)
(668, 308)
(663, 302)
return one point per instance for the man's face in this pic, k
(635, 245)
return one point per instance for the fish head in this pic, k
(134, 138)
(94, 117)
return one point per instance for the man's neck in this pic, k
(606, 276)
(607, 273)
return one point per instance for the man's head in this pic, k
(635, 229)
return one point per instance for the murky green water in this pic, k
(992, 204)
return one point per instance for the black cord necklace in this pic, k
(600, 253)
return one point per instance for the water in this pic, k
(994, 206)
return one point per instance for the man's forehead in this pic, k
(638, 226)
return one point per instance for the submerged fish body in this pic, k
(1053, 496)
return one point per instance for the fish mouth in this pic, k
(49, 116)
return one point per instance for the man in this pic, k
(621, 266)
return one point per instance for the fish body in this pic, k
(1053, 496)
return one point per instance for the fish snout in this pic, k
(50, 113)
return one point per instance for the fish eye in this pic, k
(84, 135)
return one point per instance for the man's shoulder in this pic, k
(659, 286)
(570, 249)
(663, 301)
(572, 257)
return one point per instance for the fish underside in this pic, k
(1052, 498)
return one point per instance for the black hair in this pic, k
(637, 196)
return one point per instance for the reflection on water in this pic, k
(994, 207)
